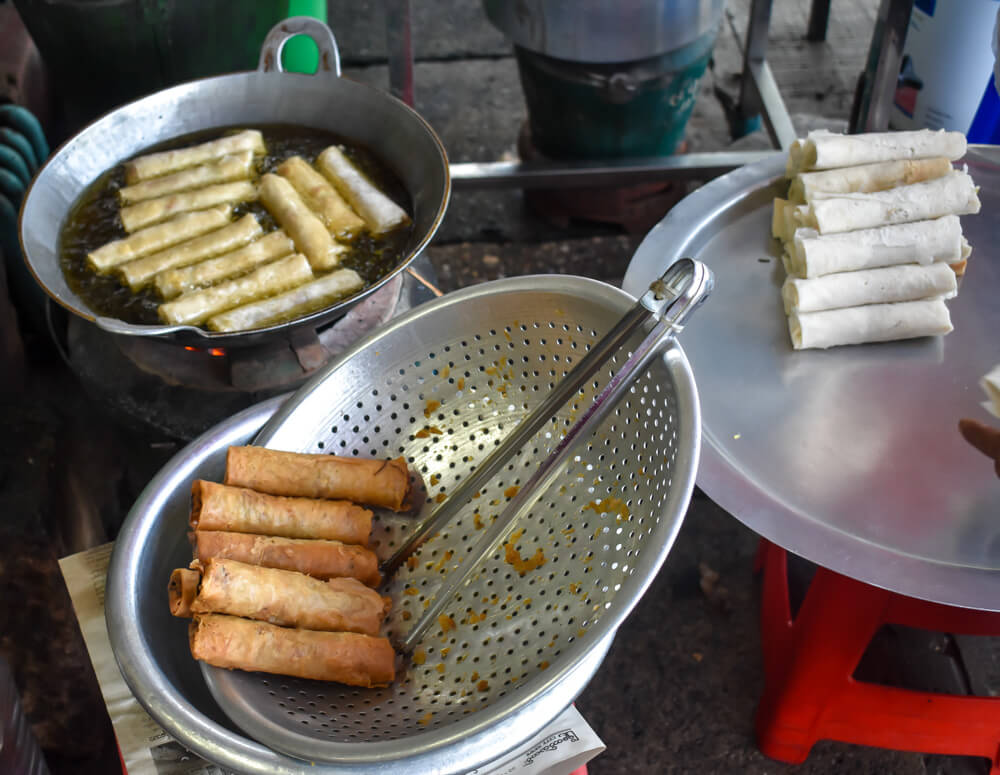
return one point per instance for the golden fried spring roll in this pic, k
(153, 211)
(182, 590)
(866, 178)
(379, 211)
(159, 237)
(155, 164)
(195, 306)
(346, 657)
(238, 166)
(174, 282)
(306, 230)
(217, 506)
(140, 273)
(314, 557)
(289, 598)
(311, 296)
(384, 483)
(322, 198)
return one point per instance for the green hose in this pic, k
(301, 54)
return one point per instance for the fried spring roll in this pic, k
(196, 306)
(173, 282)
(289, 598)
(311, 296)
(306, 230)
(155, 164)
(220, 507)
(345, 657)
(322, 198)
(379, 211)
(153, 211)
(140, 273)
(238, 166)
(157, 238)
(383, 483)
(182, 590)
(866, 178)
(314, 557)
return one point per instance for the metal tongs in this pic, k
(669, 301)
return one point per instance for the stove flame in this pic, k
(217, 352)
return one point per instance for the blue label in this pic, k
(927, 6)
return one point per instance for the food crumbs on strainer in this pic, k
(461, 383)
(511, 491)
(609, 505)
(411, 562)
(426, 719)
(431, 407)
(581, 632)
(406, 615)
(513, 557)
(483, 686)
(474, 676)
(446, 371)
(426, 431)
(568, 531)
(440, 498)
(444, 558)
(477, 521)
(419, 657)
(444, 651)
(697, 656)
(440, 668)
(574, 587)
(474, 618)
(446, 622)
(411, 591)
(434, 479)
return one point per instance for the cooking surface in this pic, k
(850, 456)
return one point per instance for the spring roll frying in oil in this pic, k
(238, 509)
(379, 211)
(153, 211)
(154, 165)
(322, 198)
(346, 657)
(239, 166)
(306, 230)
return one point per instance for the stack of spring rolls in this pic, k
(282, 580)
(229, 275)
(872, 237)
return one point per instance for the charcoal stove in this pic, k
(181, 390)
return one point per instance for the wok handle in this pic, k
(283, 31)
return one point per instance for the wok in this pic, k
(391, 130)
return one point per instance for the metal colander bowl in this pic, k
(442, 386)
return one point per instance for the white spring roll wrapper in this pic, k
(954, 194)
(866, 178)
(813, 255)
(267, 280)
(870, 323)
(821, 149)
(907, 282)
(292, 304)
(160, 209)
(238, 166)
(990, 383)
(379, 211)
(155, 164)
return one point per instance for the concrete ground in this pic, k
(678, 689)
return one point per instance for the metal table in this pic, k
(849, 457)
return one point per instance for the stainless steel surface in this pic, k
(441, 386)
(669, 302)
(877, 84)
(850, 457)
(616, 172)
(397, 135)
(604, 30)
(151, 645)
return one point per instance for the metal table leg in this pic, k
(759, 93)
(877, 84)
(819, 19)
(399, 46)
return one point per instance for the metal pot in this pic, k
(399, 137)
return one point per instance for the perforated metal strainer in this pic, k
(443, 386)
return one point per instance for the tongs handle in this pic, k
(670, 300)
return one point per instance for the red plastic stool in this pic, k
(809, 690)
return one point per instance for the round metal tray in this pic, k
(850, 457)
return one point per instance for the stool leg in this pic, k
(835, 624)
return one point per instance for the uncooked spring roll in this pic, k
(155, 164)
(140, 273)
(906, 282)
(157, 238)
(194, 307)
(238, 166)
(924, 242)
(311, 296)
(379, 211)
(866, 178)
(217, 506)
(322, 198)
(822, 149)
(383, 483)
(306, 230)
(345, 657)
(954, 194)
(182, 590)
(174, 282)
(870, 323)
(153, 211)
(288, 598)
(314, 557)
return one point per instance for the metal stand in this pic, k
(877, 84)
